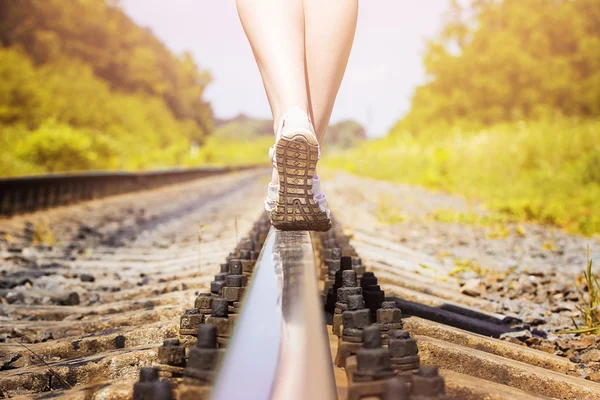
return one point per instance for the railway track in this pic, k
(160, 291)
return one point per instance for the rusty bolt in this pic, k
(349, 287)
(330, 243)
(150, 388)
(372, 337)
(204, 303)
(244, 254)
(427, 384)
(344, 293)
(235, 267)
(230, 257)
(331, 299)
(204, 356)
(338, 283)
(397, 388)
(233, 294)
(374, 298)
(333, 265)
(234, 280)
(217, 286)
(338, 320)
(246, 244)
(235, 308)
(346, 263)
(330, 304)
(402, 345)
(220, 308)
(358, 267)
(368, 279)
(349, 278)
(220, 317)
(389, 305)
(148, 374)
(355, 302)
(171, 353)
(144, 388)
(248, 266)
(354, 321)
(373, 360)
(388, 314)
(190, 321)
(336, 253)
(207, 337)
(403, 351)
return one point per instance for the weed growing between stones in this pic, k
(387, 212)
(42, 234)
(590, 308)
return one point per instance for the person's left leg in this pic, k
(275, 30)
(329, 28)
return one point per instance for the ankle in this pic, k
(274, 177)
(290, 110)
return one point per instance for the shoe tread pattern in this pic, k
(296, 209)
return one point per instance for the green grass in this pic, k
(547, 171)
(226, 152)
(590, 302)
(388, 212)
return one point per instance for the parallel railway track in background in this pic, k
(125, 305)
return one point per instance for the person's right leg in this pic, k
(329, 32)
(275, 29)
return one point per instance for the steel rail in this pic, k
(280, 347)
(31, 193)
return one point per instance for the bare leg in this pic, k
(301, 48)
(329, 33)
(275, 29)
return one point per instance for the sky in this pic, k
(384, 68)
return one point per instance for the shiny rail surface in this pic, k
(280, 347)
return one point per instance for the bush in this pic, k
(539, 171)
(62, 109)
(59, 148)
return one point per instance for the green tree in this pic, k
(503, 60)
(98, 33)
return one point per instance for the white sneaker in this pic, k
(297, 202)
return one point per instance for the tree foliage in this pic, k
(543, 171)
(503, 60)
(65, 102)
(83, 87)
(99, 34)
(510, 113)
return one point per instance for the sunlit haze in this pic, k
(384, 68)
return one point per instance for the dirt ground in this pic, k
(528, 271)
(93, 289)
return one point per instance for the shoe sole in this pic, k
(296, 208)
